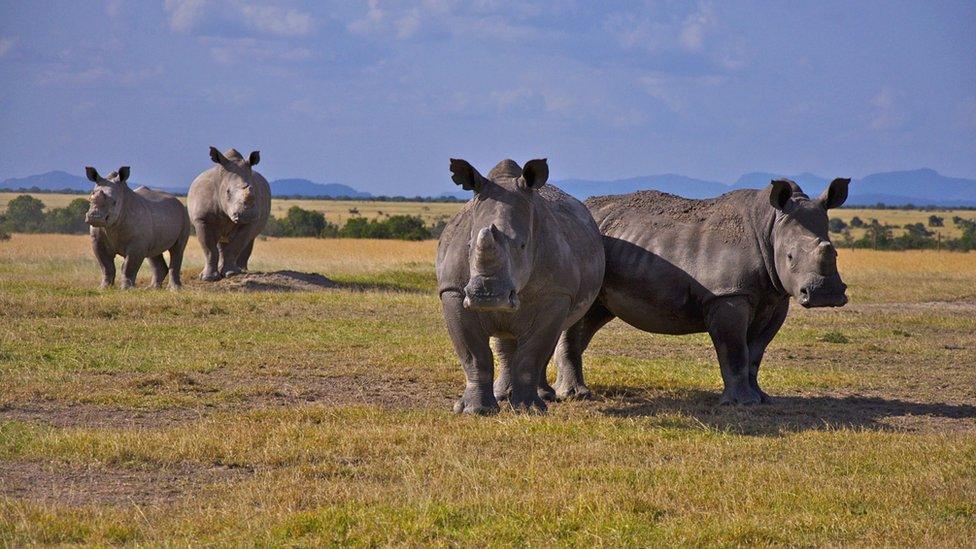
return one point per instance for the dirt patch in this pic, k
(964, 306)
(276, 281)
(89, 415)
(75, 485)
(235, 392)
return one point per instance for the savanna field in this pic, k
(234, 413)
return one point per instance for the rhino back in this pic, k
(673, 254)
(164, 219)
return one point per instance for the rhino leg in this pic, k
(727, 320)
(106, 260)
(176, 262)
(534, 351)
(159, 271)
(245, 255)
(471, 343)
(758, 341)
(208, 237)
(130, 268)
(569, 353)
(505, 351)
(231, 252)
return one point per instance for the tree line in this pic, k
(880, 236)
(26, 214)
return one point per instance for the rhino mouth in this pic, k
(244, 217)
(485, 294)
(817, 295)
(96, 220)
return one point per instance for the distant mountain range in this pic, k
(921, 187)
(60, 181)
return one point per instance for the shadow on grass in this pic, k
(292, 281)
(787, 414)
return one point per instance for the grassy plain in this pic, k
(338, 211)
(224, 417)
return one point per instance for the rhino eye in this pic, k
(522, 245)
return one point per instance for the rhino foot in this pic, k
(743, 395)
(546, 393)
(528, 403)
(764, 398)
(232, 272)
(573, 392)
(209, 277)
(477, 401)
(503, 388)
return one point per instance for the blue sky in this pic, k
(379, 95)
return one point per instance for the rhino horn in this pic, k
(487, 252)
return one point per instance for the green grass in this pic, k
(314, 418)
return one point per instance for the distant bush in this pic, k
(936, 221)
(300, 222)
(25, 214)
(837, 225)
(400, 227)
(69, 220)
(856, 222)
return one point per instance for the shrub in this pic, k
(67, 220)
(25, 214)
(856, 222)
(936, 221)
(837, 225)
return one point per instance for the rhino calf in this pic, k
(229, 206)
(135, 224)
(726, 266)
(520, 262)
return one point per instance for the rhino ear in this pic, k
(123, 174)
(780, 192)
(92, 174)
(254, 158)
(464, 174)
(535, 173)
(835, 194)
(217, 156)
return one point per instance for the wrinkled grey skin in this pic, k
(726, 266)
(135, 224)
(229, 206)
(521, 262)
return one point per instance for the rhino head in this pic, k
(804, 258)
(235, 192)
(107, 199)
(502, 243)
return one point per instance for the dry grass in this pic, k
(336, 211)
(311, 418)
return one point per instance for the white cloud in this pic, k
(468, 20)
(276, 20)
(184, 14)
(231, 51)
(692, 37)
(6, 44)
